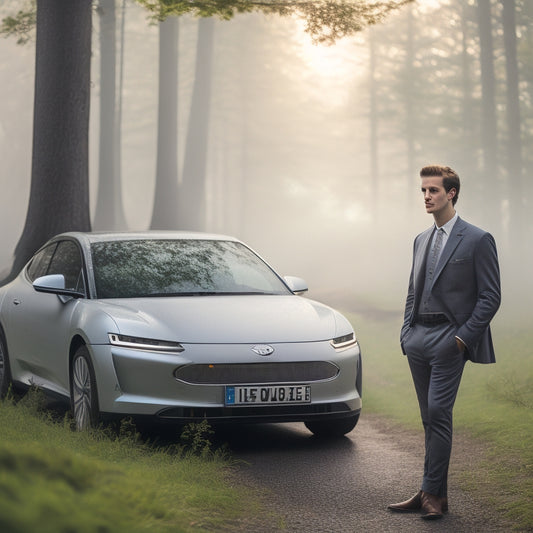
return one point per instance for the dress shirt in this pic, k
(447, 229)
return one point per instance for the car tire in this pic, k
(5, 372)
(332, 428)
(83, 391)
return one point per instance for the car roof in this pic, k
(87, 238)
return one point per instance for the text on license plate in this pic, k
(268, 394)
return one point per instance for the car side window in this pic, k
(67, 261)
(41, 260)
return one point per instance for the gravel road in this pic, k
(315, 486)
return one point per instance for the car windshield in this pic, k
(148, 268)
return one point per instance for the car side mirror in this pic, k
(296, 285)
(55, 284)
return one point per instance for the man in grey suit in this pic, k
(454, 291)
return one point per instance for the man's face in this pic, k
(436, 198)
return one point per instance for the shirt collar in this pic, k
(449, 225)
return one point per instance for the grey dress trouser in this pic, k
(436, 366)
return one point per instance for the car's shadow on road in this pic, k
(249, 440)
(261, 438)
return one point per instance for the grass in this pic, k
(494, 405)
(53, 479)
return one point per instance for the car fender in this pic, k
(92, 322)
(342, 324)
(93, 325)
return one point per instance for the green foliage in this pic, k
(128, 431)
(326, 20)
(34, 401)
(22, 24)
(514, 388)
(196, 438)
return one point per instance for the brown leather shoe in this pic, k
(415, 504)
(408, 506)
(432, 506)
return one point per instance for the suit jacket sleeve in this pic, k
(409, 302)
(487, 277)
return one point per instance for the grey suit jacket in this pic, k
(466, 285)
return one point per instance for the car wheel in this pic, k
(83, 392)
(5, 373)
(332, 428)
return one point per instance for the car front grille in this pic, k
(257, 373)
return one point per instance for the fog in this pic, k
(291, 167)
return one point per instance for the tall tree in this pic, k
(489, 138)
(192, 199)
(373, 118)
(514, 142)
(410, 114)
(467, 111)
(165, 210)
(59, 193)
(109, 213)
(525, 60)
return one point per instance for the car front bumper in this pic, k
(191, 385)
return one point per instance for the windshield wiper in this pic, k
(173, 294)
(199, 293)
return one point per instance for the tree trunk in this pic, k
(59, 193)
(165, 210)
(192, 201)
(410, 115)
(109, 214)
(468, 163)
(489, 141)
(515, 186)
(374, 157)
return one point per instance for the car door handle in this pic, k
(16, 301)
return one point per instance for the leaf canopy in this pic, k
(20, 24)
(326, 20)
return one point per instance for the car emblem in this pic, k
(263, 349)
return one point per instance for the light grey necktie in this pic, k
(435, 252)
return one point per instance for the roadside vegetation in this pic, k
(494, 405)
(53, 479)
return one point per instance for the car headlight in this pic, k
(140, 343)
(340, 343)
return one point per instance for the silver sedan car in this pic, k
(178, 327)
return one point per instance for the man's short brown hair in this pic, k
(450, 178)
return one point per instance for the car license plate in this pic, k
(268, 394)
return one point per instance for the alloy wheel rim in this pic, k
(81, 393)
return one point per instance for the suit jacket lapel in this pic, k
(454, 239)
(420, 259)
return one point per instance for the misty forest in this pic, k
(303, 139)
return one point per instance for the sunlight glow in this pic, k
(329, 69)
(328, 61)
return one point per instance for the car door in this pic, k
(40, 323)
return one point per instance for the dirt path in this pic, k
(314, 486)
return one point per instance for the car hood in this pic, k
(227, 319)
